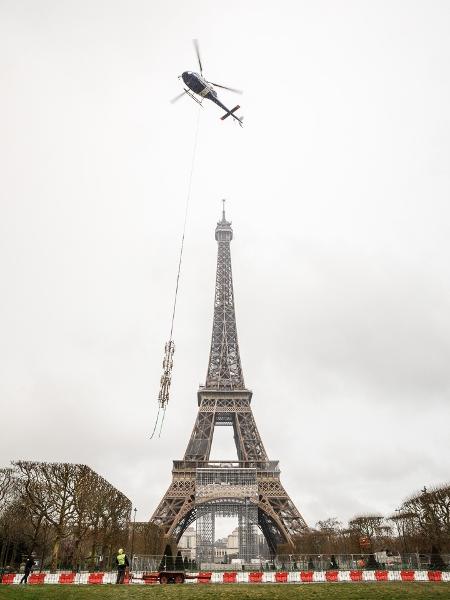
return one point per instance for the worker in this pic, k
(122, 564)
(28, 568)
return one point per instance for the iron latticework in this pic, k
(224, 367)
(226, 491)
(202, 489)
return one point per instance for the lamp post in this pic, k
(132, 537)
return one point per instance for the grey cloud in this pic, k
(338, 190)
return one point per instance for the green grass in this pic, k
(318, 591)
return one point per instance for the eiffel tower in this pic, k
(249, 487)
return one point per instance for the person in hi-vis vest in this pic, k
(122, 563)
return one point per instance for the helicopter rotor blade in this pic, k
(224, 87)
(177, 97)
(197, 50)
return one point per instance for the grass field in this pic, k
(321, 591)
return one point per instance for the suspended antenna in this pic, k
(169, 348)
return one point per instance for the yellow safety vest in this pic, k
(121, 560)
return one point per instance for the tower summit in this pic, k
(249, 488)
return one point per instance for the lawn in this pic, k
(321, 591)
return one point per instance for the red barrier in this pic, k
(127, 578)
(95, 578)
(406, 575)
(66, 578)
(36, 578)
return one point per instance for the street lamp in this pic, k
(132, 537)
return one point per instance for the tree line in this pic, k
(66, 516)
(421, 524)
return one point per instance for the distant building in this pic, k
(220, 550)
(225, 548)
(187, 544)
(233, 544)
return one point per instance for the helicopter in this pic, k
(198, 86)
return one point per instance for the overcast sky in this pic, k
(338, 188)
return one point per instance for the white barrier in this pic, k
(394, 576)
(368, 576)
(242, 577)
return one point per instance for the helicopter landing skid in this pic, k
(193, 97)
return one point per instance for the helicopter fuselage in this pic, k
(197, 84)
(201, 87)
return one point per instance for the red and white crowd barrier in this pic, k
(239, 577)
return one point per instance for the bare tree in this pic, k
(66, 507)
(108, 517)
(149, 539)
(7, 488)
(114, 520)
(330, 526)
(331, 533)
(372, 526)
(425, 517)
(370, 530)
(87, 497)
(48, 491)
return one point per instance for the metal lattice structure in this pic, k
(224, 367)
(247, 514)
(250, 487)
(226, 491)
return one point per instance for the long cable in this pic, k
(156, 422)
(188, 198)
(169, 345)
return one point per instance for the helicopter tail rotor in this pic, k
(231, 112)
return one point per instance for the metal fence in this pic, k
(377, 560)
(288, 562)
(305, 562)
